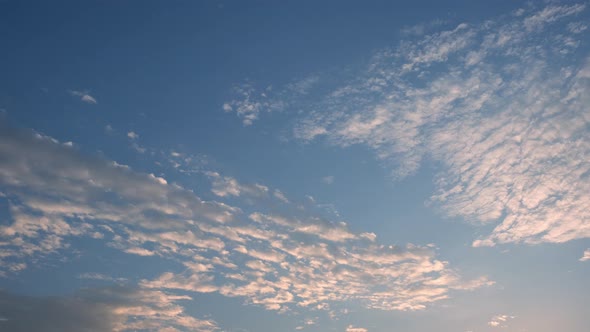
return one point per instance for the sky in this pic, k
(263, 166)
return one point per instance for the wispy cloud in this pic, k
(329, 179)
(84, 96)
(585, 256)
(249, 101)
(500, 321)
(351, 328)
(100, 276)
(501, 105)
(227, 186)
(276, 261)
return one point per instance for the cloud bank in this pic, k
(276, 261)
(106, 309)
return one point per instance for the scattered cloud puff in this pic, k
(500, 321)
(585, 256)
(107, 309)
(351, 328)
(249, 101)
(307, 323)
(275, 261)
(132, 135)
(224, 186)
(84, 96)
(227, 186)
(502, 106)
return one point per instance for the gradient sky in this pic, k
(270, 166)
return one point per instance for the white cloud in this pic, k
(502, 106)
(500, 321)
(249, 101)
(278, 262)
(351, 328)
(551, 14)
(422, 28)
(577, 27)
(60, 192)
(132, 135)
(303, 86)
(84, 96)
(280, 196)
(585, 256)
(224, 186)
(139, 251)
(100, 276)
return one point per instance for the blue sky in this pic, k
(294, 166)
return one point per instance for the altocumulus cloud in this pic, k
(279, 262)
(501, 106)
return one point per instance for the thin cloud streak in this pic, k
(84, 96)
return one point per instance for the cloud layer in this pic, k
(500, 107)
(276, 261)
(106, 309)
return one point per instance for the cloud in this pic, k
(73, 194)
(132, 135)
(280, 196)
(100, 276)
(502, 108)
(351, 328)
(249, 101)
(585, 256)
(422, 28)
(328, 179)
(303, 86)
(84, 96)
(500, 321)
(551, 14)
(54, 193)
(271, 260)
(224, 186)
(107, 309)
